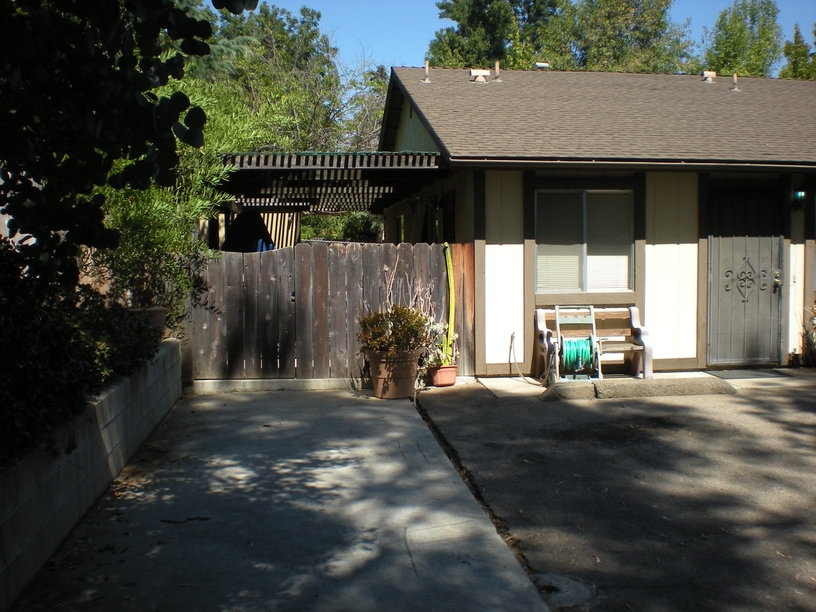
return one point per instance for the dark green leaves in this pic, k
(77, 81)
(236, 6)
(195, 118)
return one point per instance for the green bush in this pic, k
(57, 347)
(399, 328)
(121, 339)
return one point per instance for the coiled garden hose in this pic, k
(576, 354)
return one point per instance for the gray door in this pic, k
(745, 297)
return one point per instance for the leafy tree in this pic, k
(746, 39)
(287, 73)
(801, 61)
(363, 109)
(290, 77)
(625, 35)
(160, 255)
(548, 31)
(481, 36)
(347, 227)
(629, 36)
(86, 108)
(77, 82)
(285, 76)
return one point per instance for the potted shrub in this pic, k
(440, 359)
(393, 341)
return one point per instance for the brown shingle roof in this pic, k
(577, 117)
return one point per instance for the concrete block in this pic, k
(12, 582)
(626, 388)
(111, 434)
(44, 494)
(117, 459)
(108, 404)
(575, 390)
(31, 471)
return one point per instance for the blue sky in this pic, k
(397, 32)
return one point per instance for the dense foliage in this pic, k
(84, 115)
(615, 35)
(57, 346)
(746, 39)
(398, 328)
(622, 35)
(161, 254)
(286, 75)
(105, 162)
(346, 227)
(77, 81)
(801, 61)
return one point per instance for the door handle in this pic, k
(777, 278)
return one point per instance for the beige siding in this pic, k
(504, 268)
(412, 135)
(505, 208)
(670, 310)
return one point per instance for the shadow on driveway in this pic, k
(289, 500)
(663, 503)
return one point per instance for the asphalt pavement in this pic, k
(618, 497)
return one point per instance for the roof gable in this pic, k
(580, 117)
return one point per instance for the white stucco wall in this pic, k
(796, 304)
(670, 310)
(504, 267)
(504, 303)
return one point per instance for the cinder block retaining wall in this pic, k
(45, 494)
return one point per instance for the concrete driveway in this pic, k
(286, 500)
(699, 502)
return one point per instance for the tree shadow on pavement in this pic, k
(247, 502)
(682, 503)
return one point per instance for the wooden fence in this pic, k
(293, 312)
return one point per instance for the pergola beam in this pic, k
(328, 182)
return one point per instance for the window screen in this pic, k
(584, 241)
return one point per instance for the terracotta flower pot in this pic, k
(443, 376)
(394, 376)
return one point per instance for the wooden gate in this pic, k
(293, 313)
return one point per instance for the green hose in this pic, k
(451, 307)
(576, 354)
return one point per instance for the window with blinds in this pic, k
(584, 241)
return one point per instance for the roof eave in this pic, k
(463, 162)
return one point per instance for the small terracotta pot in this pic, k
(443, 376)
